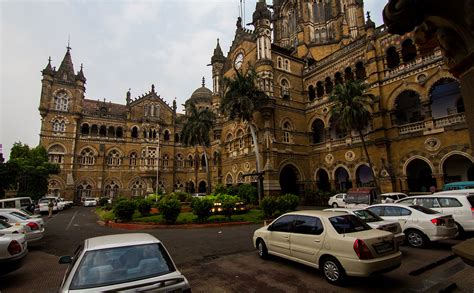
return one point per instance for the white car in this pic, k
(337, 200)
(420, 225)
(458, 203)
(376, 222)
(391, 197)
(34, 227)
(43, 204)
(6, 228)
(90, 202)
(59, 202)
(334, 242)
(135, 262)
(13, 248)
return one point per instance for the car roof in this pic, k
(390, 204)
(393, 193)
(119, 240)
(316, 213)
(455, 192)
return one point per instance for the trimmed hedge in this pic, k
(170, 207)
(202, 208)
(124, 210)
(275, 206)
(144, 207)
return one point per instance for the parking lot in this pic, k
(222, 259)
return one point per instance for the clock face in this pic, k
(238, 61)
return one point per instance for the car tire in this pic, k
(335, 205)
(461, 232)
(262, 249)
(333, 271)
(416, 238)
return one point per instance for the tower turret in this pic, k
(217, 62)
(264, 65)
(66, 69)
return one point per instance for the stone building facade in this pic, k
(300, 49)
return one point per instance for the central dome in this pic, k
(201, 95)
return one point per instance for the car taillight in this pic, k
(14, 247)
(362, 250)
(438, 222)
(33, 226)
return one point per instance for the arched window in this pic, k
(179, 161)
(408, 108)
(287, 65)
(165, 160)
(85, 129)
(287, 132)
(319, 89)
(119, 132)
(59, 126)
(56, 154)
(311, 93)
(445, 98)
(111, 132)
(133, 159)
(240, 138)
(190, 161)
(393, 59)
(285, 89)
(87, 157)
(94, 130)
(240, 178)
(203, 160)
(360, 71)
(113, 158)
(348, 74)
(176, 137)
(328, 85)
(279, 62)
(111, 189)
(408, 50)
(229, 180)
(138, 188)
(103, 131)
(317, 129)
(83, 190)
(61, 101)
(166, 135)
(338, 78)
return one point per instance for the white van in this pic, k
(458, 203)
(18, 203)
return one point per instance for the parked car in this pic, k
(43, 204)
(135, 262)
(458, 203)
(60, 204)
(199, 194)
(13, 248)
(375, 222)
(90, 202)
(337, 243)
(18, 203)
(337, 200)
(6, 228)
(34, 227)
(459, 185)
(420, 225)
(391, 197)
(361, 197)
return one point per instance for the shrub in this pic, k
(202, 208)
(287, 203)
(170, 207)
(228, 203)
(220, 189)
(182, 196)
(269, 206)
(124, 209)
(248, 193)
(144, 207)
(103, 201)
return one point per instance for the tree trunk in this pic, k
(259, 168)
(368, 159)
(208, 171)
(196, 167)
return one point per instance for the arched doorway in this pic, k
(408, 108)
(289, 180)
(419, 176)
(364, 176)
(342, 179)
(202, 187)
(457, 168)
(322, 180)
(190, 187)
(445, 98)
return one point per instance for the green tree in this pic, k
(28, 170)
(352, 111)
(196, 129)
(241, 99)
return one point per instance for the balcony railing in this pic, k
(437, 123)
(412, 127)
(450, 120)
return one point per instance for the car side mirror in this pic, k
(270, 228)
(65, 259)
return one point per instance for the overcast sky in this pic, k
(122, 44)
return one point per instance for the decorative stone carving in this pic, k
(234, 168)
(329, 158)
(432, 144)
(350, 156)
(247, 167)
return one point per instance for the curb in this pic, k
(144, 226)
(432, 265)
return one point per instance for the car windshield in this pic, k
(117, 265)
(20, 215)
(26, 212)
(90, 199)
(348, 224)
(43, 200)
(4, 225)
(424, 210)
(367, 216)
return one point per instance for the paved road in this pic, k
(222, 260)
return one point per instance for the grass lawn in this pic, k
(254, 216)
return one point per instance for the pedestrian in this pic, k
(432, 189)
(50, 208)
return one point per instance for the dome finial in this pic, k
(203, 82)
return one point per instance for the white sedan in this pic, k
(420, 225)
(34, 227)
(6, 228)
(43, 204)
(90, 202)
(13, 248)
(337, 200)
(376, 222)
(135, 262)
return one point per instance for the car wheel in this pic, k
(416, 239)
(333, 271)
(262, 249)
(461, 232)
(334, 205)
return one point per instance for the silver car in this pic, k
(133, 262)
(34, 227)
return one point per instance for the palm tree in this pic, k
(196, 130)
(351, 107)
(241, 99)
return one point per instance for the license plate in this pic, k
(384, 247)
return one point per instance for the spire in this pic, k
(369, 23)
(48, 70)
(66, 69)
(80, 75)
(203, 82)
(218, 55)
(129, 96)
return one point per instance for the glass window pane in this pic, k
(308, 225)
(283, 224)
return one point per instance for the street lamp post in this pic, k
(157, 168)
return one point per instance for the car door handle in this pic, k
(286, 237)
(317, 240)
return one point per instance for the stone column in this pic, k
(439, 181)
(404, 184)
